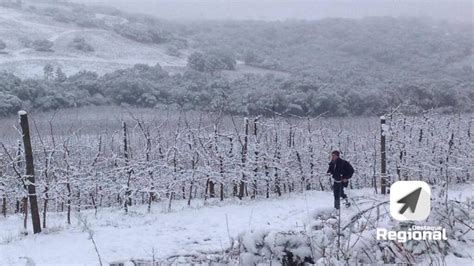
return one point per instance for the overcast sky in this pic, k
(460, 10)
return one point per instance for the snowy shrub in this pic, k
(9, 104)
(2, 46)
(43, 45)
(357, 243)
(49, 102)
(148, 99)
(141, 32)
(80, 44)
(273, 247)
(25, 41)
(179, 43)
(98, 99)
(251, 58)
(212, 60)
(173, 51)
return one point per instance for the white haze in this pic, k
(455, 10)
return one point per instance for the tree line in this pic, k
(249, 94)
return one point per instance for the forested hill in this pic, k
(371, 49)
(340, 66)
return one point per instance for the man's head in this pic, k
(334, 155)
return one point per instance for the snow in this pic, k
(453, 260)
(21, 112)
(136, 235)
(112, 51)
(209, 226)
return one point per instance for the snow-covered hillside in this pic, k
(111, 51)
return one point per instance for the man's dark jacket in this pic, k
(340, 169)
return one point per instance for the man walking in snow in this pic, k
(341, 170)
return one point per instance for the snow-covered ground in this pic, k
(112, 51)
(139, 234)
(159, 234)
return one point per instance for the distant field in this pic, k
(87, 120)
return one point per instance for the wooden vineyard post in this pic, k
(4, 200)
(30, 172)
(128, 192)
(244, 159)
(383, 161)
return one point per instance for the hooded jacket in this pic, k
(340, 169)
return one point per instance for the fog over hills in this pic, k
(455, 10)
(332, 58)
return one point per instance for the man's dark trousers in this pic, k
(338, 189)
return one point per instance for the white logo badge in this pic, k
(410, 200)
